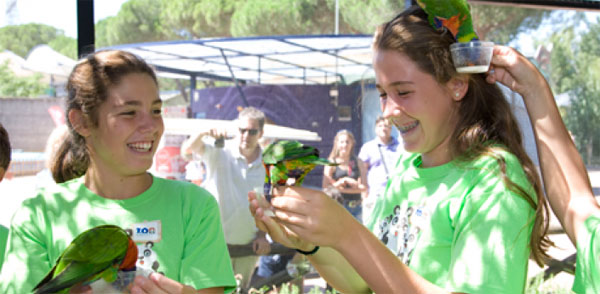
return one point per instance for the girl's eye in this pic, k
(157, 111)
(382, 95)
(128, 113)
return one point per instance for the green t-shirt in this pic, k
(458, 225)
(3, 239)
(176, 226)
(587, 268)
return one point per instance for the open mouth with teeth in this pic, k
(407, 127)
(140, 146)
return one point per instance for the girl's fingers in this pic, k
(288, 203)
(291, 218)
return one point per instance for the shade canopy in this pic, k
(306, 59)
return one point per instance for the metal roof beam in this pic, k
(327, 51)
(271, 59)
(220, 63)
(191, 73)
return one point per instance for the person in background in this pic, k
(379, 156)
(235, 168)
(565, 176)
(463, 210)
(5, 153)
(345, 181)
(114, 116)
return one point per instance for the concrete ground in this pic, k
(15, 190)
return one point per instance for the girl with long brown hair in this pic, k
(463, 210)
(346, 180)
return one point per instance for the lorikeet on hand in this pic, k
(97, 253)
(285, 160)
(455, 15)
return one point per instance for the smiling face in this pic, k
(413, 101)
(344, 145)
(129, 128)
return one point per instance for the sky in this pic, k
(61, 14)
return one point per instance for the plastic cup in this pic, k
(472, 57)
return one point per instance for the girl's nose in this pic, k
(150, 123)
(389, 108)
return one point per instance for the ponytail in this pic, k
(71, 160)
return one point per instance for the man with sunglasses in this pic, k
(234, 167)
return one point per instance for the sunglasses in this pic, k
(251, 132)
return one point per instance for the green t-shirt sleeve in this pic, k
(26, 260)
(3, 239)
(205, 245)
(490, 247)
(587, 268)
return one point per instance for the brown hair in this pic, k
(4, 148)
(484, 115)
(88, 87)
(335, 150)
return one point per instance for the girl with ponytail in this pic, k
(115, 125)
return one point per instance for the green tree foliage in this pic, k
(21, 38)
(575, 63)
(156, 20)
(137, 21)
(365, 15)
(286, 17)
(13, 86)
(193, 19)
(64, 45)
(501, 24)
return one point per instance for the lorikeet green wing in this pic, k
(455, 15)
(96, 253)
(285, 160)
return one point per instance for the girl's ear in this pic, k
(79, 122)
(458, 87)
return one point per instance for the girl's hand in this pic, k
(511, 68)
(159, 284)
(350, 182)
(269, 224)
(312, 216)
(340, 183)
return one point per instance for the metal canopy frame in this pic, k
(304, 59)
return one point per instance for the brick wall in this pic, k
(28, 121)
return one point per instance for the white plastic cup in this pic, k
(472, 57)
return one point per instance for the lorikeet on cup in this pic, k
(288, 162)
(454, 15)
(97, 253)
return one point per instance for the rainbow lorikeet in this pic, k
(99, 252)
(285, 161)
(455, 15)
